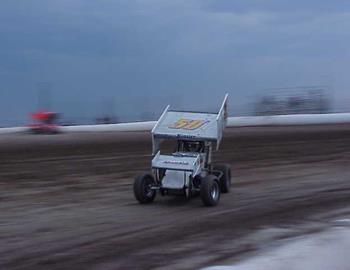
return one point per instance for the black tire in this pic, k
(210, 190)
(225, 180)
(195, 186)
(142, 188)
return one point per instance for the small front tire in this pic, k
(143, 188)
(210, 191)
(225, 180)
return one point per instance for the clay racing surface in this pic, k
(66, 201)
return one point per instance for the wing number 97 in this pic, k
(187, 124)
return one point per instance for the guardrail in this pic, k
(135, 126)
(12, 130)
(288, 120)
(242, 121)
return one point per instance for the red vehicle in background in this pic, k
(44, 122)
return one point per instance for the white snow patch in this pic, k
(322, 251)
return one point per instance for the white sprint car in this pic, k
(188, 170)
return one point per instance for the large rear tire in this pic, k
(210, 190)
(225, 180)
(143, 188)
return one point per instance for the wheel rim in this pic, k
(148, 191)
(214, 191)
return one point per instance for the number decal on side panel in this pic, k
(187, 124)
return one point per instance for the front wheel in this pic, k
(225, 180)
(210, 191)
(143, 188)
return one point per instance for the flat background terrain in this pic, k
(66, 201)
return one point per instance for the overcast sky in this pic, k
(125, 56)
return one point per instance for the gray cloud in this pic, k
(146, 53)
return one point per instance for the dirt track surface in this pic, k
(66, 201)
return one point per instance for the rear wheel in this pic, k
(210, 190)
(143, 188)
(225, 180)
